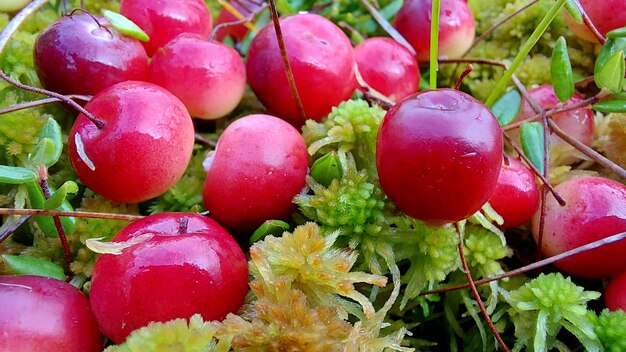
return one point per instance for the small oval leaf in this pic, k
(617, 33)
(16, 175)
(326, 169)
(561, 71)
(57, 198)
(611, 47)
(573, 10)
(20, 265)
(608, 106)
(531, 134)
(52, 130)
(46, 223)
(44, 152)
(507, 107)
(125, 25)
(269, 227)
(611, 75)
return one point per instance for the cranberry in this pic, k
(321, 58)
(456, 27)
(81, 54)
(144, 148)
(517, 195)
(163, 20)
(208, 77)
(43, 314)
(596, 208)
(190, 265)
(388, 67)
(259, 165)
(438, 155)
(615, 293)
(606, 15)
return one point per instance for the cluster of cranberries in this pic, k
(439, 157)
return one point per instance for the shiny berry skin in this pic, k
(578, 123)
(456, 27)
(176, 273)
(606, 15)
(615, 293)
(322, 61)
(438, 155)
(208, 77)
(163, 20)
(517, 195)
(76, 55)
(596, 209)
(144, 148)
(388, 67)
(236, 32)
(40, 314)
(259, 165)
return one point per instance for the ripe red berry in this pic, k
(388, 67)
(615, 293)
(595, 209)
(456, 27)
(438, 155)
(259, 165)
(144, 148)
(322, 61)
(606, 15)
(208, 77)
(163, 20)
(517, 195)
(83, 54)
(40, 314)
(181, 270)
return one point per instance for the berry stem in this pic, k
(5, 36)
(32, 104)
(283, 53)
(78, 214)
(534, 266)
(472, 286)
(464, 74)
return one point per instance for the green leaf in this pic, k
(617, 33)
(16, 175)
(617, 105)
(326, 169)
(611, 75)
(507, 107)
(52, 131)
(573, 10)
(44, 153)
(57, 198)
(561, 71)
(269, 227)
(125, 25)
(33, 266)
(284, 8)
(531, 134)
(611, 47)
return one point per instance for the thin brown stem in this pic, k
(5, 36)
(473, 60)
(203, 140)
(67, 252)
(597, 157)
(40, 102)
(248, 19)
(464, 74)
(545, 181)
(475, 293)
(393, 33)
(77, 214)
(13, 227)
(283, 53)
(534, 266)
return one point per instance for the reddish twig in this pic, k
(534, 266)
(283, 53)
(35, 103)
(248, 18)
(464, 74)
(6, 34)
(472, 286)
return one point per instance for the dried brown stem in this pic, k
(464, 74)
(283, 53)
(13, 227)
(393, 33)
(77, 214)
(248, 18)
(203, 140)
(545, 181)
(534, 266)
(5, 36)
(472, 286)
(35, 103)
